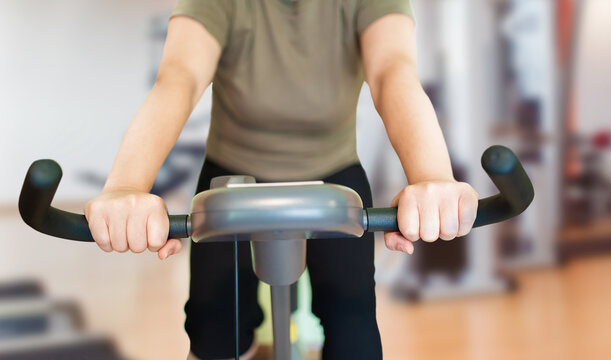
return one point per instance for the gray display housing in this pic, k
(278, 210)
(277, 218)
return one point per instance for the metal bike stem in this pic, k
(280, 262)
(281, 319)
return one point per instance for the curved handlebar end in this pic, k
(39, 187)
(506, 172)
(499, 160)
(516, 190)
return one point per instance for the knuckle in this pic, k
(156, 242)
(88, 208)
(139, 247)
(152, 202)
(469, 195)
(157, 201)
(427, 189)
(120, 246)
(105, 248)
(471, 190)
(429, 236)
(131, 200)
(411, 235)
(407, 193)
(103, 244)
(409, 232)
(403, 195)
(449, 227)
(447, 235)
(94, 207)
(154, 248)
(99, 237)
(464, 230)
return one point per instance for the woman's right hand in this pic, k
(124, 217)
(127, 219)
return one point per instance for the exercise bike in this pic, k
(276, 218)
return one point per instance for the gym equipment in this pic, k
(276, 217)
(25, 311)
(59, 346)
(20, 289)
(33, 327)
(24, 317)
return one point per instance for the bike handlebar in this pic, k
(39, 187)
(506, 172)
(43, 177)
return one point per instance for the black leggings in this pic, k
(341, 275)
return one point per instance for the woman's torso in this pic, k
(287, 84)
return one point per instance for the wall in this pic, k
(593, 73)
(72, 73)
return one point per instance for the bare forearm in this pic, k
(187, 67)
(150, 136)
(411, 124)
(433, 205)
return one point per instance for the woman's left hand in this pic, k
(431, 210)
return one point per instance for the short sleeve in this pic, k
(369, 11)
(215, 15)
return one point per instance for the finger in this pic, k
(408, 219)
(117, 230)
(429, 222)
(136, 233)
(158, 227)
(395, 200)
(172, 246)
(394, 241)
(390, 239)
(467, 211)
(448, 217)
(99, 232)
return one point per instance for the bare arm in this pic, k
(434, 205)
(391, 72)
(125, 216)
(187, 68)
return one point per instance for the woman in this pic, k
(287, 75)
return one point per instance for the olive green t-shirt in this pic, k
(285, 91)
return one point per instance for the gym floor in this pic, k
(556, 313)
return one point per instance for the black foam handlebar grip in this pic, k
(39, 187)
(515, 189)
(506, 172)
(381, 219)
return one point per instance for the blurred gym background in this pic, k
(533, 75)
